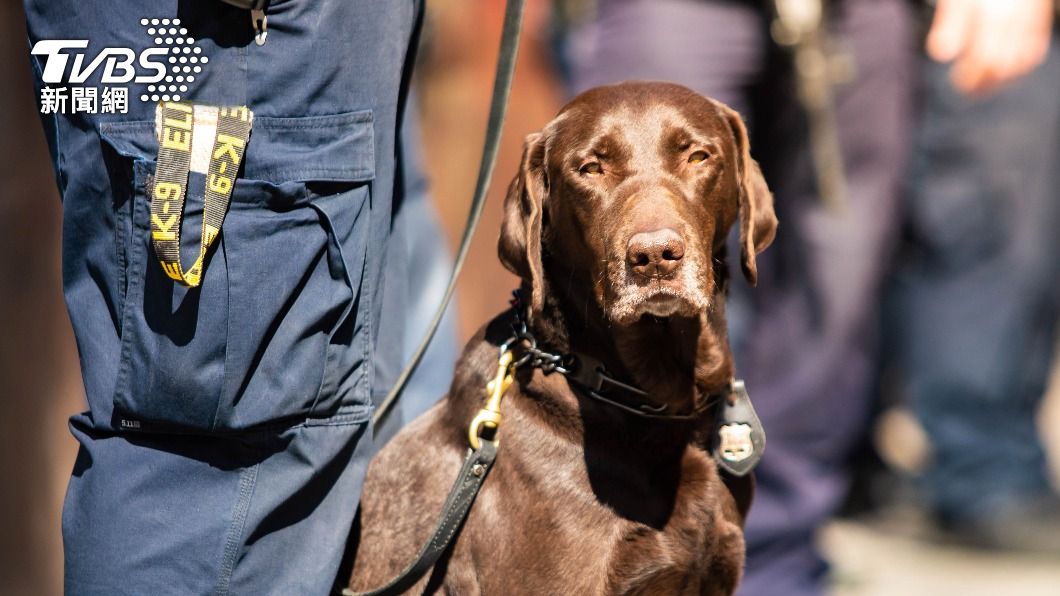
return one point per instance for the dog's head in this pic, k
(635, 187)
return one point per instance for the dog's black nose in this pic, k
(655, 254)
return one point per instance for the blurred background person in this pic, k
(807, 344)
(977, 292)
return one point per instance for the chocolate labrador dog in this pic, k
(617, 224)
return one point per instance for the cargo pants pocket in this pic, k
(249, 346)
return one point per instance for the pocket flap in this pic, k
(334, 148)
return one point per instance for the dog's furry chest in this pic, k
(571, 542)
(695, 552)
(675, 560)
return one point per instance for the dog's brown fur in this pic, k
(584, 498)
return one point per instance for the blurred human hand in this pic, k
(990, 42)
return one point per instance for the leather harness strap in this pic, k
(476, 467)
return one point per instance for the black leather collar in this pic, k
(589, 376)
(737, 441)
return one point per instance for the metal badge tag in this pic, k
(739, 439)
(735, 442)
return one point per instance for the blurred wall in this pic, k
(455, 79)
(39, 379)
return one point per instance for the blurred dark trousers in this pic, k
(418, 271)
(806, 338)
(978, 296)
(228, 430)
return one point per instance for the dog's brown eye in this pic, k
(591, 169)
(698, 157)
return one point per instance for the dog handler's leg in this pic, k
(228, 425)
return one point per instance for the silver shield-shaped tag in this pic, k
(734, 442)
(739, 439)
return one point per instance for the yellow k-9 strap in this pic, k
(206, 139)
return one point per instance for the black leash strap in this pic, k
(480, 460)
(502, 86)
(457, 505)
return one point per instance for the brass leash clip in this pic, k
(490, 414)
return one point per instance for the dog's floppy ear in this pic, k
(520, 242)
(758, 221)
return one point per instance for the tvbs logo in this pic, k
(166, 69)
(119, 64)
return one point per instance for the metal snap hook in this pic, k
(260, 22)
(490, 414)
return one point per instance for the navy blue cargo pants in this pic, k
(804, 339)
(227, 432)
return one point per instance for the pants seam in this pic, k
(247, 482)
